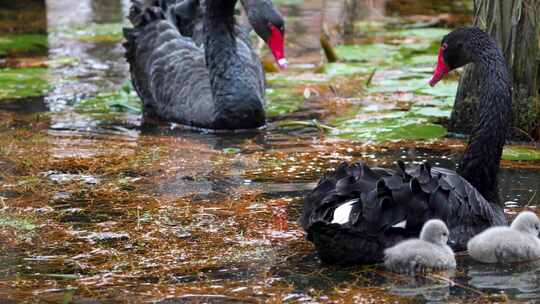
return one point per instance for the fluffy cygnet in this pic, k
(430, 252)
(517, 243)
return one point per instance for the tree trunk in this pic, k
(514, 24)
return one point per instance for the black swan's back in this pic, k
(217, 87)
(385, 206)
(388, 206)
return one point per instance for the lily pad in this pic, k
(416, 84)
(24, 82)
(23, 45)
(432, 33)
(442, 89)
(432, 111)
(517, 153)
(373, 53)
(124, 100)
(343, 69)
(393, 127)
(282, 101)
(95, 33)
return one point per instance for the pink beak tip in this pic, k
(283, 63)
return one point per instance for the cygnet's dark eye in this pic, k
(445, 234)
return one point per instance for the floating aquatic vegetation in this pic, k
(23, 45)
(521, 153)
(23, 82)
(393, 126)
(123, 100)
(94, 32)
(283, 100)
(344, 69)
(374, 54)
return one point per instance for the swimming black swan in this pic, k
(355, 212)
(219, 85)
(263, 17)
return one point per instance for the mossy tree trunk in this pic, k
(515, 25)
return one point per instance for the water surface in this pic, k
(95, 204)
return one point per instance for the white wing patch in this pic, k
(342, 213)
(401, 224)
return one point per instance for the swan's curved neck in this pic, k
(481, 161)
(220, 45)
(237, 100)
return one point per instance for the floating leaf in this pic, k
(124, 100)
(23, 45)
(95, 33)
(282, 100)
(372, 53)
(390, 127)
(24, 82)
(341, 69)
(231, 150)
(516, 153)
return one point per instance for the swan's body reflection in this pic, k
(522, 281)
(432, 288)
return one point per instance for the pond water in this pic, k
(98, 206)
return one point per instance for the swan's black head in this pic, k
(269, 25)
(458, 49)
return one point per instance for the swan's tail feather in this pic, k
(140, 16)
(135, 12)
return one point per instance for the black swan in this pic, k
(219, 85)
(355, 212)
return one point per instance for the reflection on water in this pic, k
(522, 282)
(431, 290)
(99, 206)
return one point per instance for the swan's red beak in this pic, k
(276, 42)
(441, 70)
